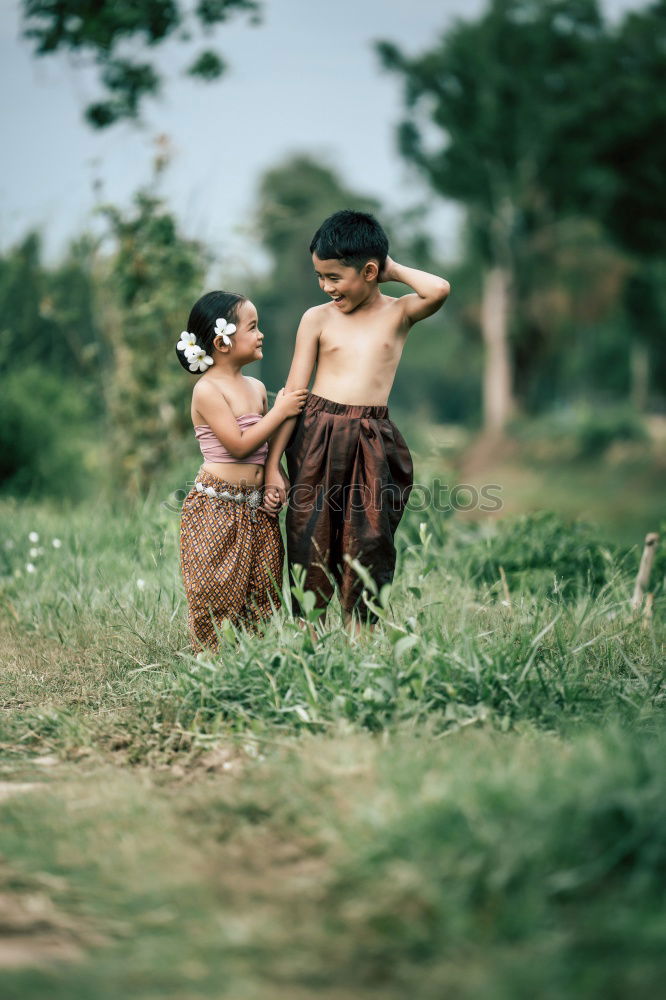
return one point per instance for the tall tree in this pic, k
(496, 120)
(108, 34)
(631, 148)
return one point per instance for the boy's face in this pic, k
(347, 287)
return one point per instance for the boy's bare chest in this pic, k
(359, 344)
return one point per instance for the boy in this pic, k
(350, 469)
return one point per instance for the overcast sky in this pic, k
(306, 79)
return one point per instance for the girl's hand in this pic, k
(290, 403)
(277, 483)
(272, 501)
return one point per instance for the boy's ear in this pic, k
(371, 270)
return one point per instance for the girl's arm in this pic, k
(216, 412)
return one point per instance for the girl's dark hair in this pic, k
(205, 311)
(351, 237)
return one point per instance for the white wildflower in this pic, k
(141, 584)
(56, 543)
(33, 537)
(30, 568)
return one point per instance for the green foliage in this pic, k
(581, 432)
(631, 145)
(503, 92)
(49, 313)
(506, 114)
(42, 420)
(541, 550)
(99, 29)
(149, 283)
(596, 429)
(513, 806)
(446, 651)
(487, 853)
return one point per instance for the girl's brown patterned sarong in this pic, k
(351, 473)
(231, 557)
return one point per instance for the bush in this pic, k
(535, 549)
(43, 419)
(596, 429)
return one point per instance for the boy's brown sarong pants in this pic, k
(351, 473)
(231, 557)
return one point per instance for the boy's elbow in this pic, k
(443, 290)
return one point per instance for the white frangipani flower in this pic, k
(200, 361)
(30, 568)
(187, 341)
(33, 537)
(224, 330)
(56, 543)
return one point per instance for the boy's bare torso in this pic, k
(358, 353)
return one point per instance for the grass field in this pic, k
(470, 802)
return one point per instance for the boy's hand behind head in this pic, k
(386, 273)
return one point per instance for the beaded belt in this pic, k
(253, 499)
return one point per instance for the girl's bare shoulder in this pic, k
(207, 388)
(255, 382)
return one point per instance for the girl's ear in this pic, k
(371, 271)
(219, 345)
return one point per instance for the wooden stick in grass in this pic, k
(647, 610)
(505, 586)
(644, 570)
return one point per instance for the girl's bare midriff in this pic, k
(243, 474)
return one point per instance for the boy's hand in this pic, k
(387, 271)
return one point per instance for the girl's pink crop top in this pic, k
(213, 450)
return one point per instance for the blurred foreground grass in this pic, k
(468, 802)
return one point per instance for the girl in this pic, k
(230, 545)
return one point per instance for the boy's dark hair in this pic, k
(205, 311)
(352, 238)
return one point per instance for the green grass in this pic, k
(468, 802)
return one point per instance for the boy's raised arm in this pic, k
(300, 373)
(430, 290)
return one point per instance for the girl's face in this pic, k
(247, 340)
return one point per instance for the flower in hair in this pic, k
(224, 330)
(198, 360)
(186, 343)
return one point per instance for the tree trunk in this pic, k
(639, 365)
(498, 401)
